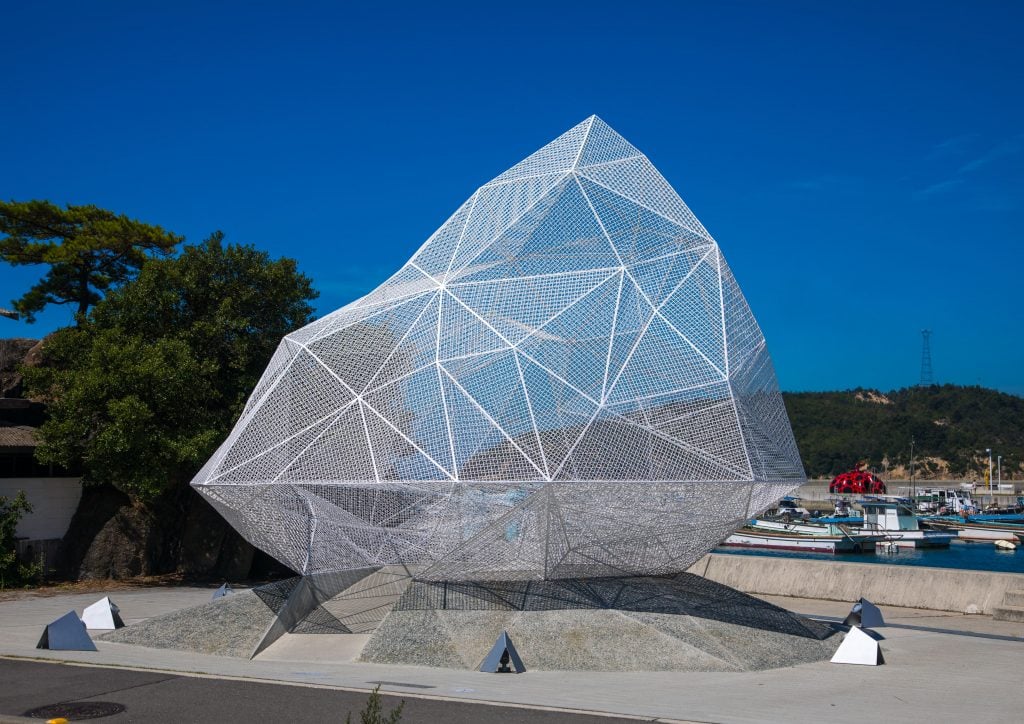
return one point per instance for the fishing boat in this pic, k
(895, 517)
(810, 537)
(971, 529)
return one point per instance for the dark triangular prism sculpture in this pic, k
(864, 614)
(67, 633)
(501, 655)
(224, 590)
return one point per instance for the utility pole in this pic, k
(913, 487)
(999, 471)
(926, 359)
(989, 451)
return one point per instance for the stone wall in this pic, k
(942, 589)
(53, 500)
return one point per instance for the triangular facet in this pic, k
(603, 145)
(492, 387)
(517, 307)
(637, 233)
(464, 332)
(662, 362)
(695, 307)
(341, 451)
(414, 407)
(561, 412)
(574, 344)
(637, 180)
(559, 236)
(498, 208)
(558, 156)
(512, 547)
(355, 353)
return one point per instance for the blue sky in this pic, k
(861, 164)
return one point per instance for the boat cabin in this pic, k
(889, 515)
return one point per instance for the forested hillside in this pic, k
(951, 426)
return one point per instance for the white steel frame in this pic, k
(564, 381)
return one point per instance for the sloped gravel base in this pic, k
(683, 623)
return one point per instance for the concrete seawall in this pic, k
(942, 589)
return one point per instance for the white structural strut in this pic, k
(564, 381)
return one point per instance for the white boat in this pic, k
(894, 517)
(803, 527)
(751, 537)
(972, 530)
(974, 533)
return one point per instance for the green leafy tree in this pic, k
(150, 382)
(12, 571)
(88, 250)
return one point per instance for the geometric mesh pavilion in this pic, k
(564, 381)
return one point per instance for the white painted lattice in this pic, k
(564, 381)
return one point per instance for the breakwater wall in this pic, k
(941, 589)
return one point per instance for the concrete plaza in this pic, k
(940, 666)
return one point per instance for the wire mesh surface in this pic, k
(564, 381)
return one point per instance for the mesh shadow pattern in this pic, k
(685, 595)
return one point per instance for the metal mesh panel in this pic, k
(564, 381)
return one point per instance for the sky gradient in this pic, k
(861, 165)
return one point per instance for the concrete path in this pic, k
(939, 667)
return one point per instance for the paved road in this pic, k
(156, 697)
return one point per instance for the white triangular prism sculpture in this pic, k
(571, 326)
(858, 648)
(102, 616)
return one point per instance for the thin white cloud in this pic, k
(1010, 147)
(938, 188)
(957, 144)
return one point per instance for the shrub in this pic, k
(12, 571)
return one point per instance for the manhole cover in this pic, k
(76, 710)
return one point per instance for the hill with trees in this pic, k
(951, 426)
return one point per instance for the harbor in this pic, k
(959, 555)
(942, 525)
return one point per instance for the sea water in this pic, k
(970, 556)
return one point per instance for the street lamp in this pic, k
(989, 451)
(999, 471)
